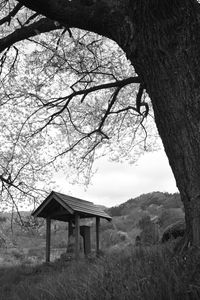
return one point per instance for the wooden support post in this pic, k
(97, 235)
(70, 229)
(48, 239)
(77, 235)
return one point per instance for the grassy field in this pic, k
(134, 273)
(124, 272)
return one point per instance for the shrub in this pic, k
(170, 216)
(149, 234)
(17, 254)
(112, 237)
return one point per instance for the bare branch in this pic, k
(140, 103)
(67, 99)
(30, 19)
(11, 14)
(119, 84)
(124, 110)
(112, 102)
(41, 26)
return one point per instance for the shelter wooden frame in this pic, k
(69, 209)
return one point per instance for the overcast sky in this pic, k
(115, 183)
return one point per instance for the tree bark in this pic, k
(166, 55)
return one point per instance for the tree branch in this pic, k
(11, 14)
(67, 99)
(41, 26)
(140, 103)
(102, 17)
(110, 105)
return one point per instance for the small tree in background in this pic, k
(148, 233)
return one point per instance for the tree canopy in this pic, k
(64, 95)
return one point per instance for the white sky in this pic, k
(115, 183)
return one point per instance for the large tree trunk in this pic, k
(167, 57)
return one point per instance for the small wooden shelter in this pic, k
(65, 208)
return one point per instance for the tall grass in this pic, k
(136, 274)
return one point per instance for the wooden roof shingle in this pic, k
(63, 207)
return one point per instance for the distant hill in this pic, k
(147, 202)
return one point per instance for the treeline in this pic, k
(166, 200)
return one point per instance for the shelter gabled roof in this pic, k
(63, 207)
